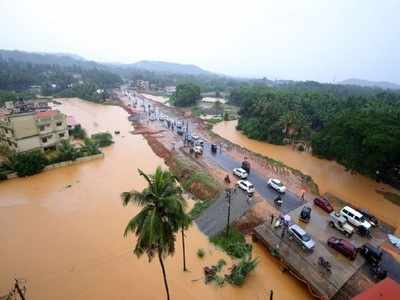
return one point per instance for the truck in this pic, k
(337, 221)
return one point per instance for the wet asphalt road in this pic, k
(290, 200)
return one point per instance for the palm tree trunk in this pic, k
(164, 274)
(183, 249)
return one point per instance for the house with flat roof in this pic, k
(32, 130)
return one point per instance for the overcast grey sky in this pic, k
(298, 39)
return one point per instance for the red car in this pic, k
(324, 204)
(343, 246)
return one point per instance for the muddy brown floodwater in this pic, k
(67, 241)
(329, 175)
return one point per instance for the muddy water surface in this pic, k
(329, 175)
(62, 230)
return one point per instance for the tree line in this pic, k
(17, 77)
(359, 129)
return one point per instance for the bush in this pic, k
(201, 253)
(27, 163)
(78, 132)
(240, 271)
(235, 244)
(66, 152)
(103, 139)
(89, 148)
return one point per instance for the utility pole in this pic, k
(228, 196)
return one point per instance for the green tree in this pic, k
(89, 148)
(218, 107)
(186, 94)
(27, 163)
(66, 151)
(156, 224)
(103, 139)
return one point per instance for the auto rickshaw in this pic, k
(213, 148)
(305, 214)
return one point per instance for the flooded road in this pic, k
(67, 242)
(329, 175)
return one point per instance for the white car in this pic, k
(277, 185)
(301, 237)
(195, 137)
(246, 186)
(355, 218)
(241, 173)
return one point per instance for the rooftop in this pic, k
(47, 114)
(387, 289)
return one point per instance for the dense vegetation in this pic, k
(234, 244)
(360, 131)
(27, 163)
(186, 94)
(102, 139)
(33, 162)
(71, 81)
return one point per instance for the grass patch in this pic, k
(392, 197)
(198, 208)
(203, 178)
(194, 179)
(234, 244)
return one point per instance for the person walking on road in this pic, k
(249, 198)
(302, 192)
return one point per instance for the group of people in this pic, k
(227, 181)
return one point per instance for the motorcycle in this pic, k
(378, 272)
(325, 264)
(278, 201)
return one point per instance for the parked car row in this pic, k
(348, 217)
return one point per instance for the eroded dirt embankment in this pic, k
(194, 178)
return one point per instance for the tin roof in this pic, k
(387, 289)
(47, 114)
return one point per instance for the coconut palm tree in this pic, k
(156, 224)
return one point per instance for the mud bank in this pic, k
(195, 179)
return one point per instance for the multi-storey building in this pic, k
(33, 130)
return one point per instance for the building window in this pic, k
(44, 140)
(61, 135)
(59, 123)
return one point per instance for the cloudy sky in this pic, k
(299, 39)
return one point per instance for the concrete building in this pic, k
(27, 105)
(142, 85)
(170, 89)
(33, 130)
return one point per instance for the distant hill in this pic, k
(167, 67)
(62, 59)
(367, 83)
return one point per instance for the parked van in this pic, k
(301, 237)
(355, 217)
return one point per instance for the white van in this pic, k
(354, 217)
